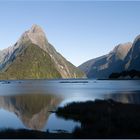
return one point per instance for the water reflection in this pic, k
(124, 97)
(9, 119)
(29, 101)
(33, 110)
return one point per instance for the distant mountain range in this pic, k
(33, 57)
(124, 57)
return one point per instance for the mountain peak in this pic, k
(136, 39)
(33, 57)
(37, 36)
(36, 29)
(121, 50)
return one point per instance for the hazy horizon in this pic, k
(78, 30)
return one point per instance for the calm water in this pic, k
(26, 103)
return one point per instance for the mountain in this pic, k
(133, 58)
(103, 66)
(33, 57)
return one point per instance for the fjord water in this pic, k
(27, 103)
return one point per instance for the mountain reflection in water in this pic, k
(26, 103)
(33, 110)
(133, 97)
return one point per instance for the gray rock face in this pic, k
(133, 58)
(122, 50)
(5, 56)
(103, 66)
(36, 36)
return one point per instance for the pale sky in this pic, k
(79, 30)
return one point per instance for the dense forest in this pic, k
(132, 74)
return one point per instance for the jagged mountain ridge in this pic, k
(35, 37)
(103, 66)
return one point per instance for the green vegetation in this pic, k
(132, 74)
(35, 63)
(32, 63)
(77, 73)
(32, 134)
(103, 119)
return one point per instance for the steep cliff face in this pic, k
(33, 50)
(133, 58)
(103, 66)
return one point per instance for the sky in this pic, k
(79, 30)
